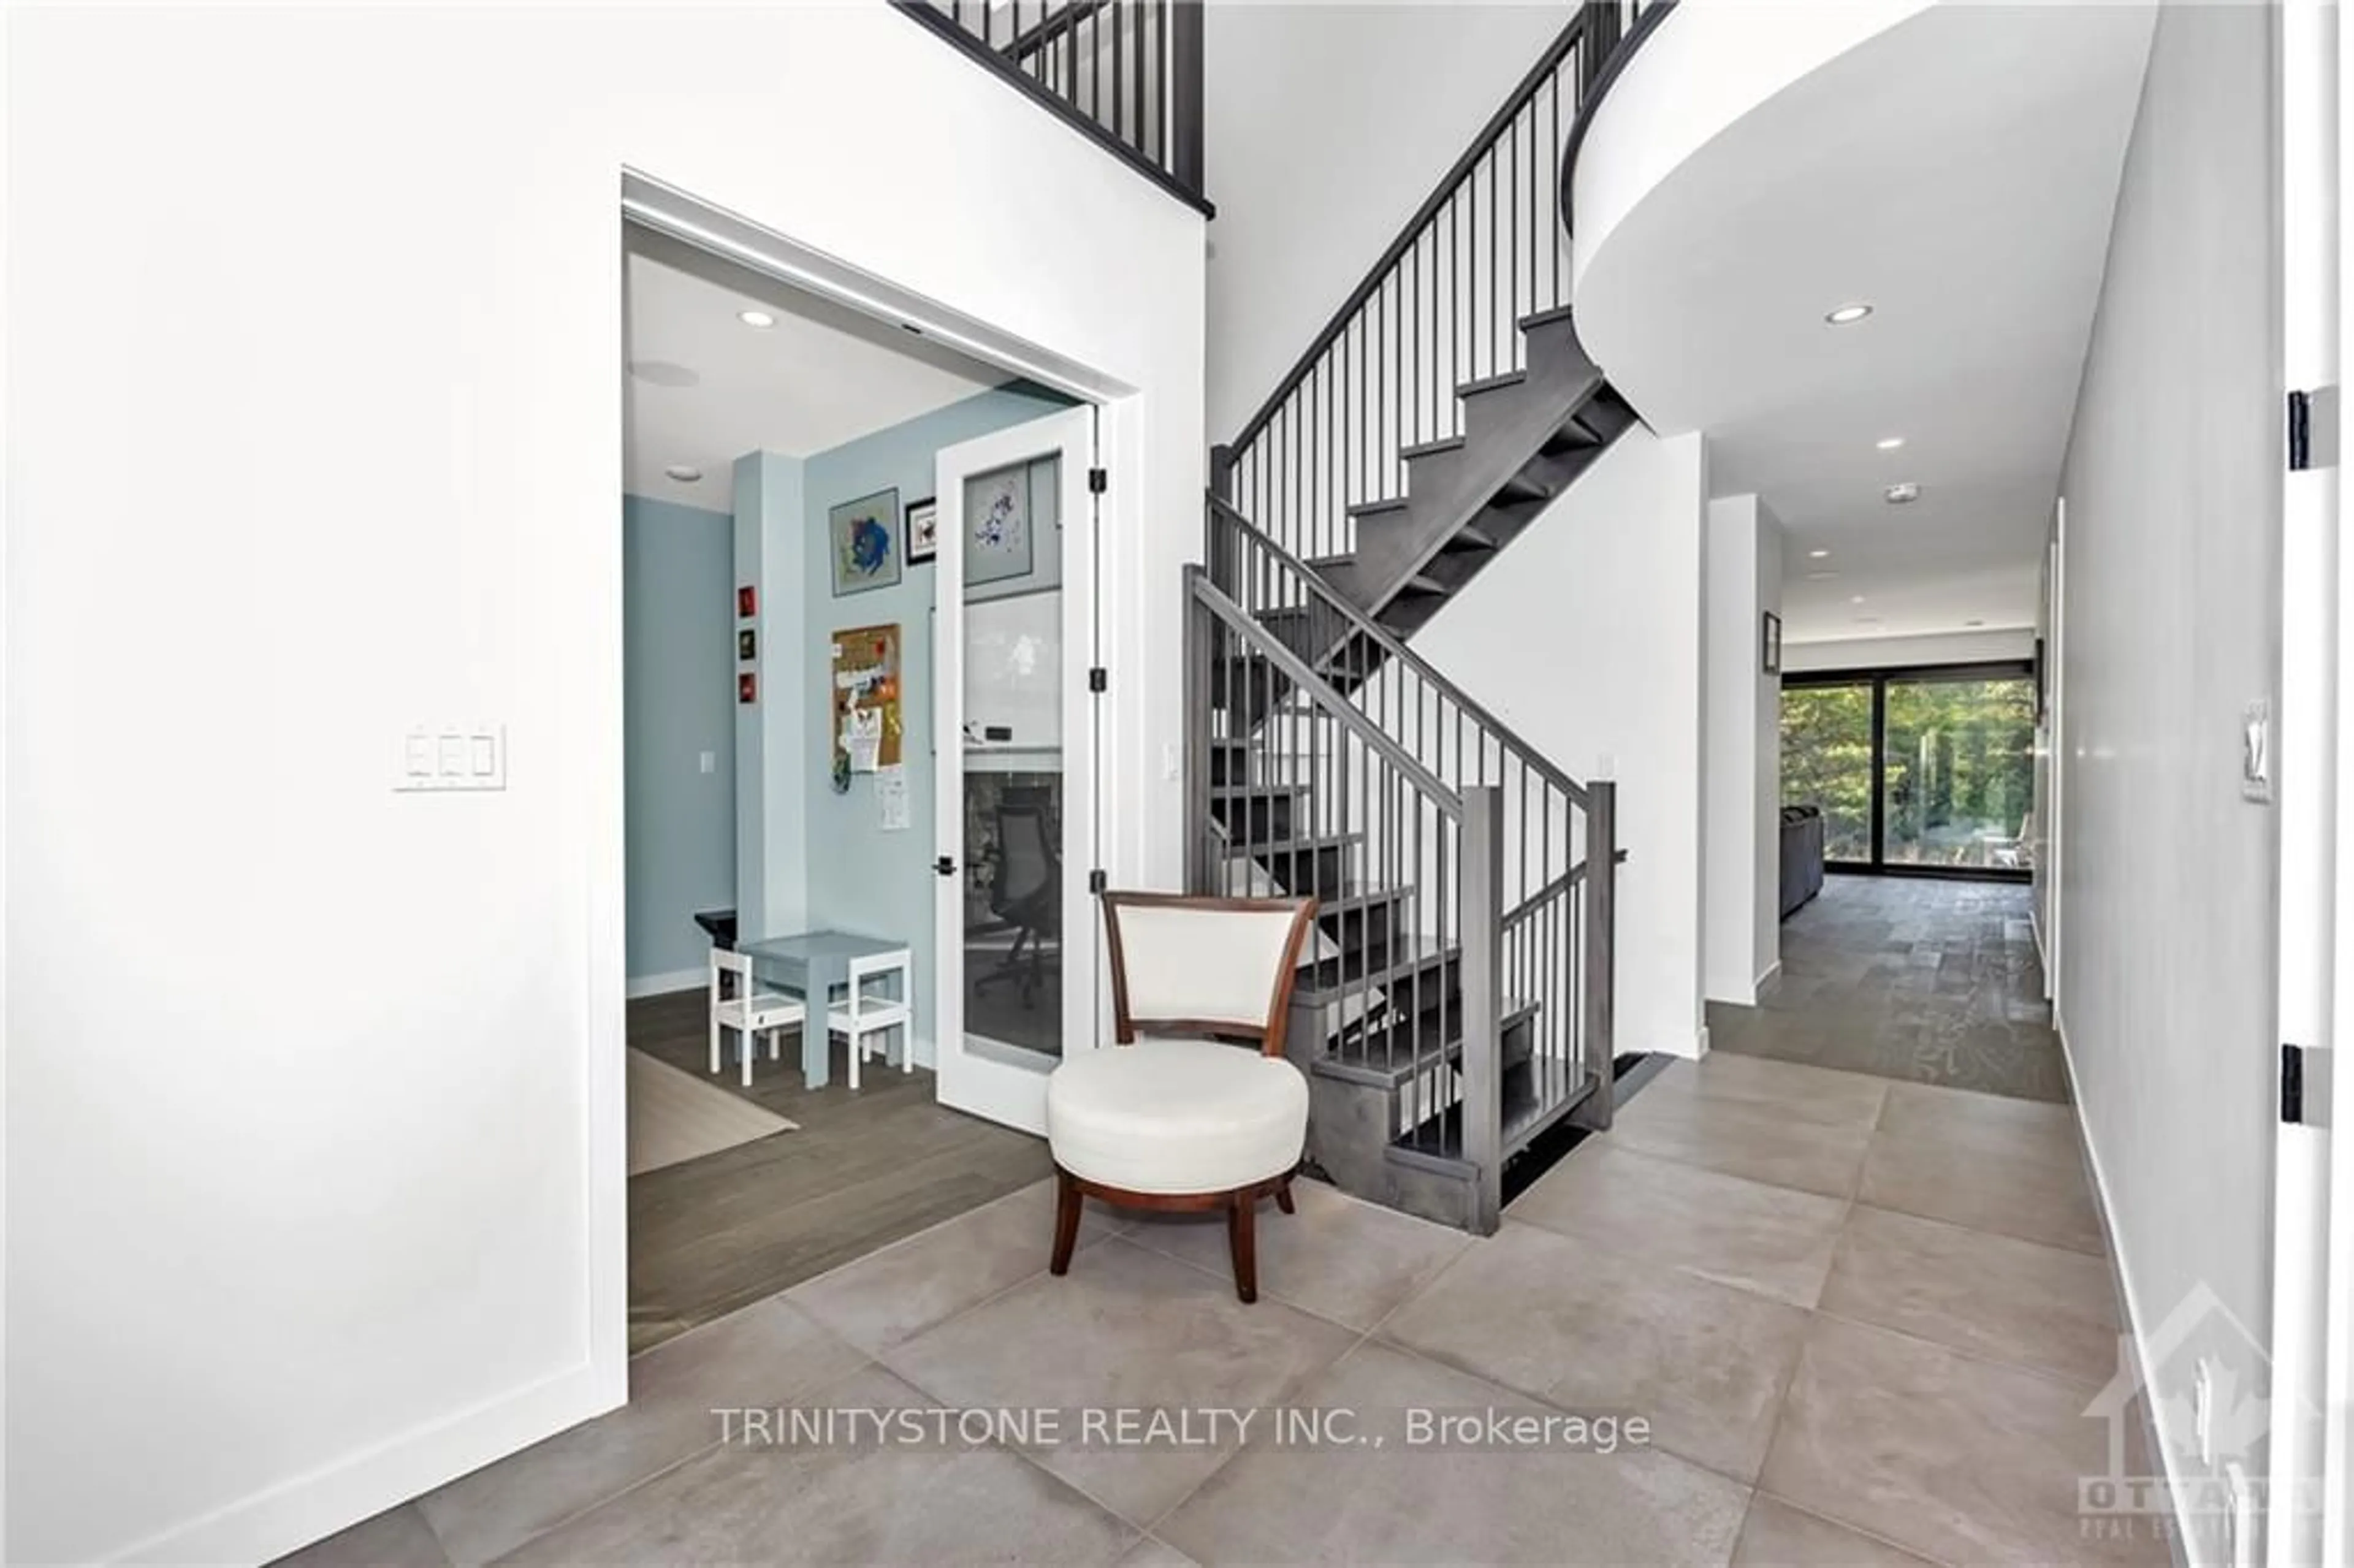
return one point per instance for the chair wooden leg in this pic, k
(1068, 1203)
(1241, 1231)
(1283, 1197)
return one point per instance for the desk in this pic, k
(813, 963)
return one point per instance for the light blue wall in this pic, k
(678, 702)
(860, 877)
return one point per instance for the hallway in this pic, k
(1909, 977)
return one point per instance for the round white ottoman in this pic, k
(1176, 1124)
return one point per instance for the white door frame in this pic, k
(1009, 1087)
(2312, 1242)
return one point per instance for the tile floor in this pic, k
(1864, 1317)
(1910, 977)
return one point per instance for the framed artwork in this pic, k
(865, 536)
(1772, 648)
(748, 602)
(997, 526)
(747, 645)
(747, 687)
(922, 530)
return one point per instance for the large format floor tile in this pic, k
(845, 1503)
(1572, 1322)
(1772, 1240)
(1387, 1503)
(911, 1285)
(1349, 1261)
(1776, 1535)
(1815, 1096)
(1741, 1137)
(1127, 1327)
(767, 1354)
(1960, 1459)
(2033, 1306)
(1992, 1163)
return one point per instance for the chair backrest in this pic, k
(725, 963)
(1185, 965)
(1026, 860)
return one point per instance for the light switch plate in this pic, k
(2256, 752)
(437, 759)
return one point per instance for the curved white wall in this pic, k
(1705, 67)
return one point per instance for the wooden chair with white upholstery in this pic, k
(752, 1014)
(1174, 1120)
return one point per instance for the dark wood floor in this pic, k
(715, 1234)
(1911, 978)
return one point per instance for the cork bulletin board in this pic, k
(866, 727)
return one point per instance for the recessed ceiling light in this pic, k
(756, 318)
(1898, 495)
(1889, 443)
(1817, 554)
(1856, 599)
(1847, 314)
(685, 474)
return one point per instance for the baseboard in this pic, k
(2135, 1318)
(662, 985)
(1771, 973)
(309, 1507)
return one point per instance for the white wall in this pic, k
(2171, 616)
(1586, 641)
(1326, 125)
(1930, 648)
(1742, 941)
(290, 1259)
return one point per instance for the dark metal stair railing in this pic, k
(1126, 73)
(1441, 310)
(1294, 695)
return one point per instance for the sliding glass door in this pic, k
(1927, 771)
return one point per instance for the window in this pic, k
(1929, 771)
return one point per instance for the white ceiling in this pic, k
(1957, 171)
(819, 376)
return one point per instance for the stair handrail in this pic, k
(1432, 205)
(1365, 626)
(1319, 692)
(1649, 14)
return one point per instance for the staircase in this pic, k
(1457, 1005)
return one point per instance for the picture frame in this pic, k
(747, 687)
(923, 531)
(747, 602)
(862, 542)
(1770, 643)
(997, 526)
(747, 645)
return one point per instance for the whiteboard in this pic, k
(1013, 672)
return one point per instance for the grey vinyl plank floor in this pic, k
(1909, 977)
(718, 1233)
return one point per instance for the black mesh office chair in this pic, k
(1026, 892)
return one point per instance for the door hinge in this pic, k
(2313, 429)
(2305, 1097)
(2292, 1084)
(1099, 481)
(945, 866)
(1097, 882)
(1099, 679)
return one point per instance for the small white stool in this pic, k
(864, 1013)
(748, 1012)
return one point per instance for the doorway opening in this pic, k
(827, 516)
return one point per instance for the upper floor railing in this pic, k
(1126, 73)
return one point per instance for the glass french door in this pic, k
(1014, 731)
(1929, 771)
